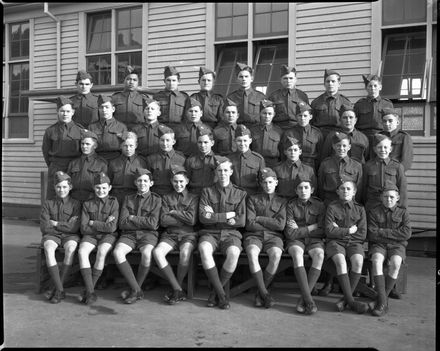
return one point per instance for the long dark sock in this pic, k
(354, 280)
(313, 277)
(268, 277)
(168, 271)
(301, 277)
(213, 277)
(344, 282)
(65, 272)
(142, 274)
(87, 277)
(224, 276)
(128, 274)
(389, 284)
(379, 280)
(54, 273)
(182, 271)
(96, 273)
(258, 276)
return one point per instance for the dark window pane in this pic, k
(391, 86)
(415, 64)
(224, 9)
(14, 105)
(262, 7)
(100, 69)
(393, 65)
(262, 23)
(18, 127)
(266, 55)
(240, 26)
(129, 29)
(133, 59)
(396, 46)
(240, 8)
(225, 67)
(19, 81)
(123, 39)
(262, 73)
(279, 22)
(224, 28)
(98, 32)
(15, 32)
(19, 40)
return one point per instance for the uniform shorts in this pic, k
(223, 240)
(177, 240)
(387, 250)
(348, 249)
(306, 245)
(139, 238)
(263, 241)
(60, 239)
(99, 239)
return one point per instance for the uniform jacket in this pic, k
(253, 107)
(146, 209)
(224, 136)
(201, 171)
(173, 105)
(359, 151)
(129, 107)
(402, 147)
(369, 113)
(109, 133)
(148, 138)
(266, 140)
(122, 169)
(185, 207)
(86, 108)
(186, 137)
(99, 210)
(287, 172)
(246, 168)
(212, 106)
(63, 211)
(326, 109)
(285, 112)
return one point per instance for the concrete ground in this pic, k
(31, 321)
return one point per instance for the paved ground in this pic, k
(30, 321)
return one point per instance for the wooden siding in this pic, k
(45, 54)
(69, 49)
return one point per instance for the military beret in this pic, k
(82, 74)
(63, 100)
(140, 172)
(176, 169)
(339, 136)
(60, 176)
(101, 178)
(266, 173)
(204, 70)
(284, 69)
(329, 72)
(128, 135)
(194, 103)
(131, 70)
(302, 107)
(147, 101)
(344, 179)
(368, 78)
(389, 111)
(377, 138)
(163, 129)
(300, 178)
(346, 107)
(202, 130)
(389, 185)
(290, 141)
(229, 102)
(170, 71)
(220, 159)
(265, 104)
(242, 67)
(85, 133)
(242, 130)
(102, 99)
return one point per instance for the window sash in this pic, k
(226, 80)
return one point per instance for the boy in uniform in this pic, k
(85, 103)
(108, 129)
(247, 98)
(305, 233)
(389, 230)
(222, 211)
(61, 142)
(246, 164)
(59, 224)
(346, 231)
(265, 222)
(212, 103)
(138, 223)
(287, 99)
(267, 136)
(178, 216)
(173, 102)
(224, 133)
(99, 224)
(327, 105)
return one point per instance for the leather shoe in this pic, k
(178, 295)
(341, 305)
(48, 294)
(223, 303)
(91, 298)
(268, 300)
(168, 295)
(310, 308)
(325, 290)
(258, 302)
(314, 291)
(212, 299)
(379, 310)
(359, 307)
(394, 294)
(134, 296)
(82, 296)
(58, 296)
(301, 306)
(125, 294)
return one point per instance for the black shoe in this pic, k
(125, 294)
(325, 290)
(310, 308)
(134, 296)
(91, 298)
(223, 303)
(212, 299)
(380, 309)
(314, 291)
(359, 307)
(178, 295)
(168, 295)
(341, 305)
(268, 301)
(394, 294)
(82, 297)
(258, 301)
(336, 289)
(48, 294)
(58, 296)
(300, 305)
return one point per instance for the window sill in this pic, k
(18, 141)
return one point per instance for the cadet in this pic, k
(369, 109)
(173, 103)
(304, 232)
(201, 165)
(59, 224)
(85, 103)
(186, 132)
(99, 224)
(288, 170)
(212, 103)
(109, 130)
(247, 98)
(266, 136)
(333, 168)
(160, 163)
(327, 105)
(148, 131)
(222, 211)
(265, 222)
(83, 169)
(138, 223)
(380, 169)
(389, 230)
(61, 142)
(359, 150)
(310, 137)
(224, 133)
(122, 169)
(128, 103)
(287, 98)
(402, 145)
(346, 231)
(178, 216)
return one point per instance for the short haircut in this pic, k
(348, 181)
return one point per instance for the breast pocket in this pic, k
(118, 175)
(391, 174)
(254, 108)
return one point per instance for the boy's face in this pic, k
(346, 191)
(243, 143)
(84, 86)
(128, 147)
(88, 146)
(341, 149)
(267, 115)
(143, 183)
(390, 198)
(206, 82)
(172, 83)
(293, 152)
(62, 189)
(167, 141)
(224, 173)
(152, 112)
(179, 182)
(288, 81)
(332, 84)
(304, 118)
(205, 144)
(383, 149)
(107, 110)
(304, 190)
(131, 82)
(194, 114)
(269, 184)
(65, 113)
(231, 114)
(390, 123)
(245, 79)
(373, 88)
(102, 190)
(348, 120)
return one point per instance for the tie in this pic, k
(331, 108)
(139, 205)
(341, 167)
(167, 161)
(382, 173)
(222, 200)
(171, 104)
(205, 104)
(150, 135)
(245, 106)
(193, 136)
(265, 145)
(293, 171)
(232, 138)
(291, 111)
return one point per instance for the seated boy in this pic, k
(99, 222)
(346, 231)
(138, 223)
(224, 133)
(178, 216)
(389, 230)
(305, 233)
(59, 224)
(222, 211)
(265, 222)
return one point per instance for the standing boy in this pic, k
(224, 133)
(85, 103)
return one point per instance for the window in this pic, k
(412, 117)
(231, 20)
(403, 11)
(225, 82)
(15, 80)
(270, 18)
(127, 36)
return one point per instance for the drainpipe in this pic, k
(58, 43)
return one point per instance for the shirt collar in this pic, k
(144, 195)
(247, 153)
(348, 203)
(220, 188)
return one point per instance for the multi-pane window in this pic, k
(270, 18)
(231, 20)
(227, 58)
(126, 48)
